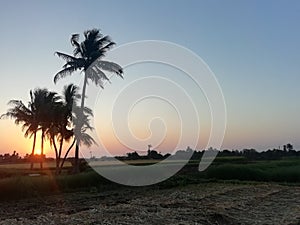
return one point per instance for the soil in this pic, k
(209, 203)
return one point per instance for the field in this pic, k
(231, 191)
(205, 203)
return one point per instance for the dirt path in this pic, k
(211, 203)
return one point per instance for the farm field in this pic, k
(206, 203)
(228, 192)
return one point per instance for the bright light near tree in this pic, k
(37, 152)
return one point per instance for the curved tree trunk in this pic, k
(66, 155)
(59, 156)
(76, 160)
(56, 153)
(32, 152)
(55, 148)
(42, 149)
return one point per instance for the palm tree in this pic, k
(80, 124)
(63, 123)
(60, 128)
(55, 128)
(43, 102)
(87, 57)
(71, 95)
(25, 116)
(58, 120)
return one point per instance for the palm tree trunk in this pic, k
(66, 155)
(42, 150)
(76, 160)
(55, 148)
(56, 152)
(32, 152)
(59, 156)
(83, 91)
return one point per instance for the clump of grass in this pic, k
(82, 181)
(232, 172)
(23, 186)
(260, 171)
(284, 174)
(230, 159)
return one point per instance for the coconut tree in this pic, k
(87, 58)
(61, 125)
(43, 102)
(80, 124)
(55, 128)
(63, 122)
(70, 94)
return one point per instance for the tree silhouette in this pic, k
(43, 103)
(70, 119)
(61, 120)
(87, 57)
(289, 147)
(25, 116)
(35, 117)
(57, 118)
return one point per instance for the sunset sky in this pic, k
(252, 47)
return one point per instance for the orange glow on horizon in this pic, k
(13, 140)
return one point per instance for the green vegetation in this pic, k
(286, 170)
(224, 169)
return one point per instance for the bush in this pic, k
(235, 172)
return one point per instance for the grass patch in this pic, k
(275, 171)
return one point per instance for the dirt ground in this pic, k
(209, 203)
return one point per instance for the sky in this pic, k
(252, 47)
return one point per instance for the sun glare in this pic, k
(37, 151)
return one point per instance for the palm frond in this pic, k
(66, 57)
(107, 47)
(92, 34)
(70, 92)
(74, 39)
(96, 75)
(87, 140)
(109, 66)
(30, 130)
(64, 72)
(78, 63)
(88, 111)
(103, 41)
(75, 42)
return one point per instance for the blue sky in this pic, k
(251, 46)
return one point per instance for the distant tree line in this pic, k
(16, 158)
(249, 154)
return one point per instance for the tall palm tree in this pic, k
(87, 57)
